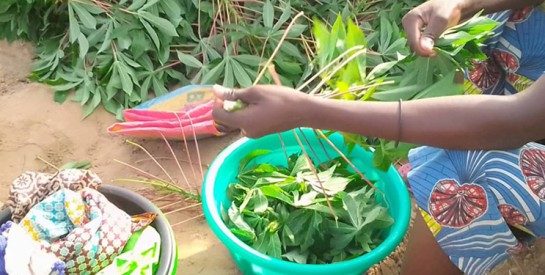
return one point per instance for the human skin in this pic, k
(455, 122)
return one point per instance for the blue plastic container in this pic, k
(223, 171)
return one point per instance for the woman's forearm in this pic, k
(471, 7)
(457, 122)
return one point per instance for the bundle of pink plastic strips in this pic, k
(184, 114)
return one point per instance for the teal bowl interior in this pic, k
(223, 171)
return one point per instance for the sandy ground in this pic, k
(32, 125)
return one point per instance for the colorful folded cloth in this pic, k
(32, 187)
(82, 228)
(3, 245)
(140, 255)
(24, 256)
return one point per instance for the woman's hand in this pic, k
(270, 109)
(428, 21)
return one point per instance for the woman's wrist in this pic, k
(469, 8)
(308, 111)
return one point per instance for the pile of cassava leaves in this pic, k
(283, 212)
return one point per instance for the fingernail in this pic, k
(427, 43)
(218, 87)
(220, 127)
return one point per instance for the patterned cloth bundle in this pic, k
(62, 224)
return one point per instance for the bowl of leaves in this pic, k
(303, 203)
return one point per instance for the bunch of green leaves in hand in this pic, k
(283, 211)
(387, 71)
(424, 77)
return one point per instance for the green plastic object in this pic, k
(223, 171)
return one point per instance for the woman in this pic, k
(480, 172)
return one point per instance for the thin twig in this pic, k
(177, 162)
(348, 161)
(196, 146)
(336, 69)
(322, 145)
(188, 220)
(47, 162)
(276, 79)
(140, 171)
(185, 143)
(347, 52)
(160, 198)
(310, 163)
(183, 208)
(165, 185)
(269, 61)
(152, 157)
(168, 158)
(311, 149)
(315, 172)
(358, 88)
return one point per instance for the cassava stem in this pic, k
(48, 163)
(271, 58)
(329, 65)
(177, 163)
(336, 69)
(309, 160)
(353, 166)
(185, 143)
(313, 168)
(152, 157)
(142, 172)
(276, 79)
(196, 146)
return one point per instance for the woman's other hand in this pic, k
(428, 21)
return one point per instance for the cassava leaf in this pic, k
(276, 192)
(268, 14)
(244, 235)
(260, 202)
(241, 75)
(83, 46)
(189, 60)
(250, 60)
(136, 4)
(236, 218)
(76, 165)
(160, 23)
(294, 223)
(89, 108)
(250, 157)
(74, 25)
(269, 243)
(297, 256)
(354, 214)
(148, 5)
(151, 33)
(86, 18)
(381, 69)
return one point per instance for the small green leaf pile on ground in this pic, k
(283, 212)
(392, 72)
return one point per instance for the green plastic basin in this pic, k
(223, 171)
